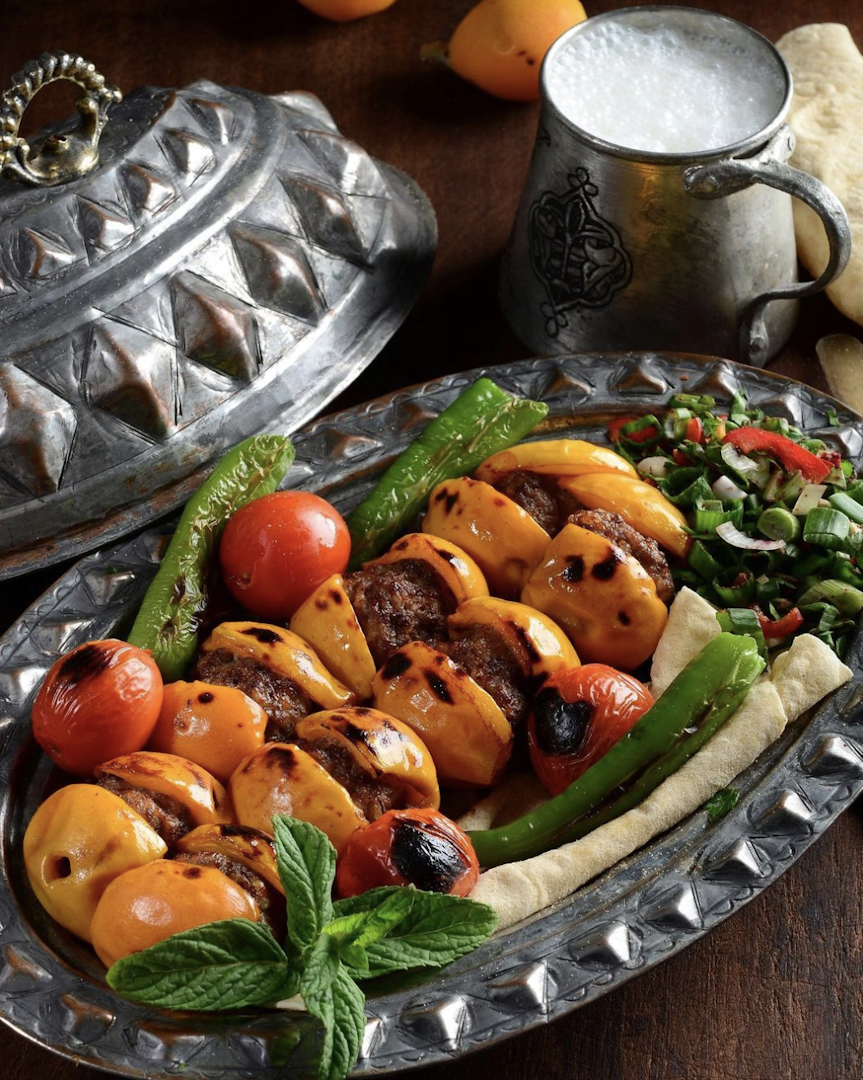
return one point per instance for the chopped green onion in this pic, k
(703, 562)
(814, 563)
(791, 488)
(684, 491)
(740, 591)
(738, 620)
(747, 468)
(848, 505)
(827, 528)
(767, 590)
(845, 598)
(711, 513)
(777, 523)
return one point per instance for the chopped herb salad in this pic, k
(776, 516)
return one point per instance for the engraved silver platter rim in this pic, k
(630, 918)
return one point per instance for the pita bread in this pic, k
(806, 673)
(827, 118)
(517, 795)
(517, 890)
(800, 677)
(691, 624)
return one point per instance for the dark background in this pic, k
(775, 992)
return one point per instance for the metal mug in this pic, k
(616, 249)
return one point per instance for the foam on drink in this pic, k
(662, 89)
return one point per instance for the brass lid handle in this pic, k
(61, 157)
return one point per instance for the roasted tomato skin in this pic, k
(420, 847)
(577, 716)
(98, 701)
(276, 550)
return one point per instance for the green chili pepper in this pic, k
(702, 697)
(167, 622)
(480, 422)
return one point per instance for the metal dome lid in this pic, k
(190, 268)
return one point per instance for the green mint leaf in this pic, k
(307, 869)
(334, 998)
(353, 956)
(222, 965)
(438, 929)
(365, 927)
(720, 804)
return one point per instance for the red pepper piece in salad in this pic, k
(776, 629)
(616, 432)
(792, 456)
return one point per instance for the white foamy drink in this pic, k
(662, 89)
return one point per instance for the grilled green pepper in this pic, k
(702, 697)
(482, 420)
(167, 623)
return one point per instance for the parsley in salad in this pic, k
(776, 516)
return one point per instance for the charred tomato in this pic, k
(420, 847)
(98, 701)
(577, 716)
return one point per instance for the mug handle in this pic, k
(725, 177)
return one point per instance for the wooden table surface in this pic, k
(774, 992)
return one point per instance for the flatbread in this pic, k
(691, 624)
(827, 118)
(799, 678)
(806, 673)
(518, 890)
(517, 795)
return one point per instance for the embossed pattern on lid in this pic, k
(230, 264)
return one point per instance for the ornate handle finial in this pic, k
(61, 157)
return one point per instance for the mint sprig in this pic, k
(436, 930)
(236, 963)
(307, 868)
(222, 965)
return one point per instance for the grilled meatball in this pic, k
(270, 903)
(547, 503)
(489, 660)
(280, 697)
(166, 816)
(399, 602)
(372, 797)
(647, 551)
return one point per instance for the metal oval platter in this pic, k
(663, 897)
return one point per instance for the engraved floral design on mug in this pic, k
(576, 254)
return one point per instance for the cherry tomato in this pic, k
(277, 550)
(408, 847)
(577, 716)
(97, 702)
(345, 10)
